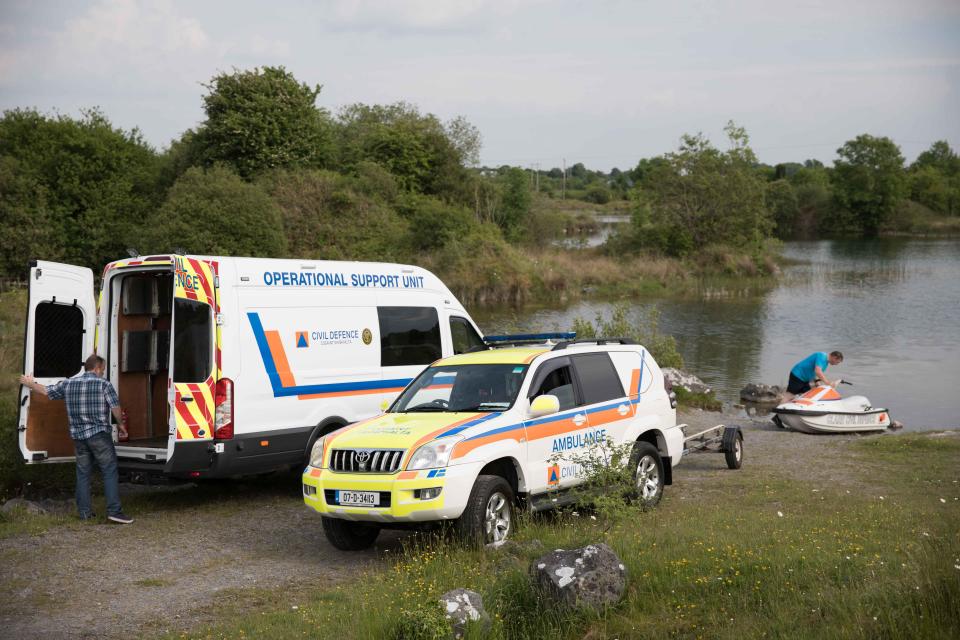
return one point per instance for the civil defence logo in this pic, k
(303, 339)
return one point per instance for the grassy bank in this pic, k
(749, 554)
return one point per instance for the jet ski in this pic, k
(823, 410)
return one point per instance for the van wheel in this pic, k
(489, 516)
(648, 475)
(349, 536)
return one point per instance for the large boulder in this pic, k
(685, 380)
(20, 503)
(462, 607)
(761, 393)
(592, 576)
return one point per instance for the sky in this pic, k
(604, 82)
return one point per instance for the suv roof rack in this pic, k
(598, 341)
(524, 338)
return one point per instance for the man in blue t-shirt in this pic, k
(810, 370)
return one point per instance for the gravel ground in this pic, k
(192, 548)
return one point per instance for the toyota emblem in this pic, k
(362, 456)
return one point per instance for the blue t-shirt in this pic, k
(806, 368)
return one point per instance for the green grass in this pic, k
(750, 554)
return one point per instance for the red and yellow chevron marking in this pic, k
(194, 418)
(193, 280)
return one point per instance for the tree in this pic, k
(214, 212)
(416, 148)
(782, 202)
(515, 202)
(699, 195)
(941, 157)
(71, 189)
(869, 181)
(263, 119)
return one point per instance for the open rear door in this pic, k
(194, 356)
(61, 314)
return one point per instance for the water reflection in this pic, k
(890, 305)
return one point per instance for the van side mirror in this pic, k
(544, 406)
(384, 405)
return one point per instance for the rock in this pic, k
(592, 576)
(761, 393)
(687, 381)
(20, 503)
(896, 424)
(462, 607)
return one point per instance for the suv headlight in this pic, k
(434, 454)
(316, 454)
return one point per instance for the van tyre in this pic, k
(489, 515)
(349, 536)
(648, 474)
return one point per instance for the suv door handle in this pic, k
(579, 419)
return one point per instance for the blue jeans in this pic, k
(97, 448)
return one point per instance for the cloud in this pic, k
(418, 15)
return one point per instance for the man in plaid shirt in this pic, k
(90, 399)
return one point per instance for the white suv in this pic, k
(477, 434)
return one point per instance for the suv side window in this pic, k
(559, 382)
(598, 377)
(463, 335)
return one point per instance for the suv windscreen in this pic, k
(466, 387)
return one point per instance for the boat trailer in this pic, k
(727, 440)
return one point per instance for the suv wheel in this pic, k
(488, 516)
(349, 536)
(648, 473)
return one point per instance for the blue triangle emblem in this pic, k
(553, 475)
(301, 340)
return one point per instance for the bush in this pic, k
(214, 212)
(645, 329)
(434, 224)
(75, 190)
(325, 218)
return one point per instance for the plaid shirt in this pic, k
(89, 399)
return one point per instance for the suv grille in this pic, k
(366, 460)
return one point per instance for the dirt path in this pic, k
(173, 567)
(192, 548)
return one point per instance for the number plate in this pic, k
(358, 498)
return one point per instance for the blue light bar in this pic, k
(531, 337)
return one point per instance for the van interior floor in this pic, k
(149, 443)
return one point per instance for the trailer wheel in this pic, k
(648, 474)
(349, 536)
(489, 513)
(733, 452)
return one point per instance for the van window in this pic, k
(598, 378)
(463, 335)
(408, 335)
(192, 328)
(57, 340)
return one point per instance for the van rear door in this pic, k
(193, 347)
(61, 315)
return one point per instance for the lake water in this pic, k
(891, 305)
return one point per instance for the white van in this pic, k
(230, 366)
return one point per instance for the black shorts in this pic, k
(796, 386)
